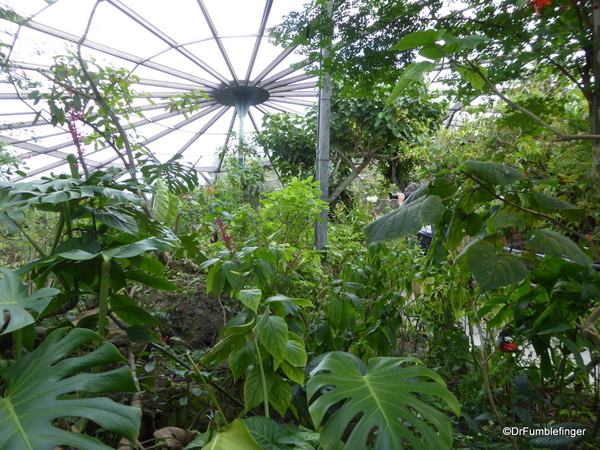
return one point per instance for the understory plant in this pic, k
(528, 277)
(48, 385)
(104, 243)
(101, 243)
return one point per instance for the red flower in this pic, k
(539, 4)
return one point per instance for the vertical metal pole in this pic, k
(240, 152)
(241, 101)
(595, 113)
(323, 145)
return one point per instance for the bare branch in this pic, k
(100, 99)
(356, 171)
(561, 136)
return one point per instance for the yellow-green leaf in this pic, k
(236, 436)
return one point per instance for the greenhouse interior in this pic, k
(299, 224)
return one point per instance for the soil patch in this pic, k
(192, 315)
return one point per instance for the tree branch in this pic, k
(100, 99)
(561, 136)
(558, 223)
(356, 171)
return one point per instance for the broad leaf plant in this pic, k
(47, 385)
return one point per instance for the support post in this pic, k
(595, 113)
(242, 104)
(323, 147)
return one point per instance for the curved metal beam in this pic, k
(166, 39)
(261, 32)
(119, 54)
(218, 41)
(202, 130)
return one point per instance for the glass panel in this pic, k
(171, 48)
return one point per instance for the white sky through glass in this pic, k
(173, 47)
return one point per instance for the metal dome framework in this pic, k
(216, 47)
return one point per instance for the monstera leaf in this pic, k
(15, 299)
(37, 387)
(383, 396)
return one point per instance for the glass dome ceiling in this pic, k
(217, 47)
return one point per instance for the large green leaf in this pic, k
(547, 201)
(462, 224)
(38, 387)
(87, 242)
(273, 334)
(142, 334)
(284, 298)
(14, 298)
(441, 187)
(433, 52)
(555, 244)
(417, 71)
(295, 374)
(492, 269)
(12, 220)
(123, 251)
(267, 433)
(406, 220)
(503, 219)
(139, 247)
(494, 173)
(149, 280)
(382, 395)
(241, 357)
(128, 310)
(413, 72)
(472, 76)
(472, 198)
(231, 270)
(236, 436)
(116, 219)
(254, 393)
(78, 255)
(215, 279)
(295, 351)
(161, 201)
(272, 436)
(418, 39)
(279, 393)
(231, 335)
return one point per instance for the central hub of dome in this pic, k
(247, 95)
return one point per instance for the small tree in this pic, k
(364, 132)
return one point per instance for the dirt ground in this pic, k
(191, 319)
(192, 315)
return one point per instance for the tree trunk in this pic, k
(356, 171)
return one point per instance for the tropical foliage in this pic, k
(31, 404)
(366, 133)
